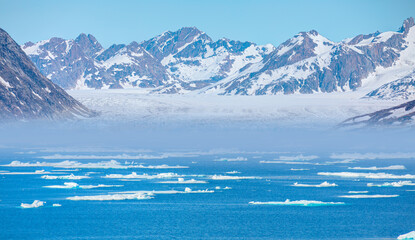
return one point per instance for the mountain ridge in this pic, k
(188, 60)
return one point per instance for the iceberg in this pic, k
(306, 203)
(233, 172)
(357, 191)
(410, 235)
(70, 185)
(367, 175)
(224, 177)
(182, 181)
(369, 196)
(56, 205)
(392, 184)
(393, 167)
(134, 175)
(103, 164)
(299, 169)
(113, 197)
(323, 184)
(297, 158)
(71, 177)
(237, 159)
(189, 190)
(35, 204)
(37, 172)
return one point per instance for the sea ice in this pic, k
(69, 177)
(392, 184)
(307, 203)
(134, 175)
(323, 184)
(182, 181)
(369, 196)
(410, 235)
(393, 167)
(69, 185)
(367, 175)
(35, 204)
(224, 177)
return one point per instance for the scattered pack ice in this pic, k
(306, 203)
(69, 185)
(367, 175)
(392, 184)
(369, 196)
(69, 177)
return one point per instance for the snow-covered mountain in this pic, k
(403, 114)
(26, 93)
(189, 60)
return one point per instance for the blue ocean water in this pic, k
(223, 214)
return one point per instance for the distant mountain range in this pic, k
(188, 60)
(25, 93)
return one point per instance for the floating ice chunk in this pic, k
(300, 157)
(289, 162)
(112, 197)
(393, 167)
(103, 164)
(299, 169)
(69, 185)
(189, 190)
(369, 196)
(70, 177)
(35, 204)
(410, 235)
(224, 177)
(182, 181)
(218, 188)
(119, 156)
(392, 184)
(323, 184)
(233, 172)
(237, 159)
(37, 172)
(373, 156)
(357, 191)
(367, 175)
(134, 175)
(56, 205)
(307, 203)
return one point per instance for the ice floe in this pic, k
(410, 235)
(237, 159)
(69, 185)
(323, 184)
(307, 203)
(357, 192)
(111, 197)
(297, 158)
(367, 175)
(56, 205)
(118, 156)
(35, 204)
(224, 177)
(286, 162)
(299, 169)
(37, 172)
(233, 172)
(392, 184)
(371, 156)
(103, 164)
(69, 177)
(393, 167)
(134, 195)
(182, 181)
(369, 196)
(225, 188)
(134, 175)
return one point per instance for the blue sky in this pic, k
(259, 21)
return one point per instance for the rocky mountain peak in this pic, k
(407, 24)
(88, 44)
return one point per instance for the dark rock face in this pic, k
(25, 92)
(403, 114)
(189, 60)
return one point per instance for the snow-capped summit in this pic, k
(189, 60)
